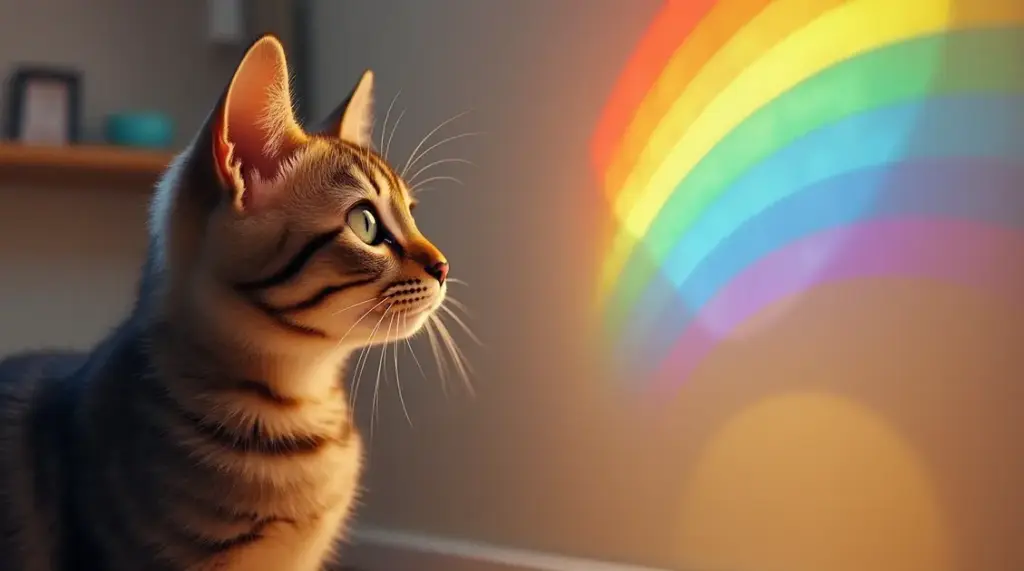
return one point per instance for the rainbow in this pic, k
(755, 149)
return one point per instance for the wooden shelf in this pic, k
(80, 165)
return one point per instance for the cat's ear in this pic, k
(352, 121)
(255, 134)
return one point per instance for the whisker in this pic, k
(354, 397)
(380, 366)
(384, 126)
(357, 322)
(456, 281)
(417, 186)
(398, 383)
(413, 353)
(354, 305)
(412, 179)
(394, 129)
(458, 304)
(361, 317)
(453, 348)
(412, 155)
(369, 338)
(444, 141)
(461, 324)
(364, 356)
(357, 369)
(403, 324)
(442, 364)
(442, 329)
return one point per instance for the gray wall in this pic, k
(821, 435)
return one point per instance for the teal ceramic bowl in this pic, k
(144, 130)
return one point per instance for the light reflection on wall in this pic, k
(806, 482)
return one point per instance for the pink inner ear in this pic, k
(258, 165)
(259, 133)
(262, 139)
(246, 157)
(251, 151)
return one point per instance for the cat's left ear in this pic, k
(254, 130)
(352, 121)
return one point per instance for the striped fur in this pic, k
(211, 430)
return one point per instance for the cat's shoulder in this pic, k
(20, 372)
(40, 363)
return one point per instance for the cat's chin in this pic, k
(392, 326)
(414, 319)
(409, 323)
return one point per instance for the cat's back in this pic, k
(35, 410)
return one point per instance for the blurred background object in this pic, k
(142, 129)
(43, 106)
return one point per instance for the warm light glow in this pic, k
(809, 482)
(775, 123)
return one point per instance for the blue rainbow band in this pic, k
(754, 216)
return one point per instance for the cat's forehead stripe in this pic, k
(345, 178)
(358, 172)
(374, 169)
(381, 168)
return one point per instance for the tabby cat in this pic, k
(211, 430)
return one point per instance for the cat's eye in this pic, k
(363, 223)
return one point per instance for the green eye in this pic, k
(363, 222)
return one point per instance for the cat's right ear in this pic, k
(255, 133)
(352, 121)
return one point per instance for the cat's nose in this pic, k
(428, 257)
(438, 271)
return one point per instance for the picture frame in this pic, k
(43, 106)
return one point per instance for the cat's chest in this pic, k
(319, 509)
(285, 546)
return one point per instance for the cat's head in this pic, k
(289, 235)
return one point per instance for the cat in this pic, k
(211, 429)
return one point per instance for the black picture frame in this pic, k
(18, 85)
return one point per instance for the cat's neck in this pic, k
(232, 343)
(293, 372)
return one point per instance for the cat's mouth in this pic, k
(408, 305)
(409, 298)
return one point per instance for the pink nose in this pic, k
(438, 271)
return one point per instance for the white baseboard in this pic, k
(387, 550)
